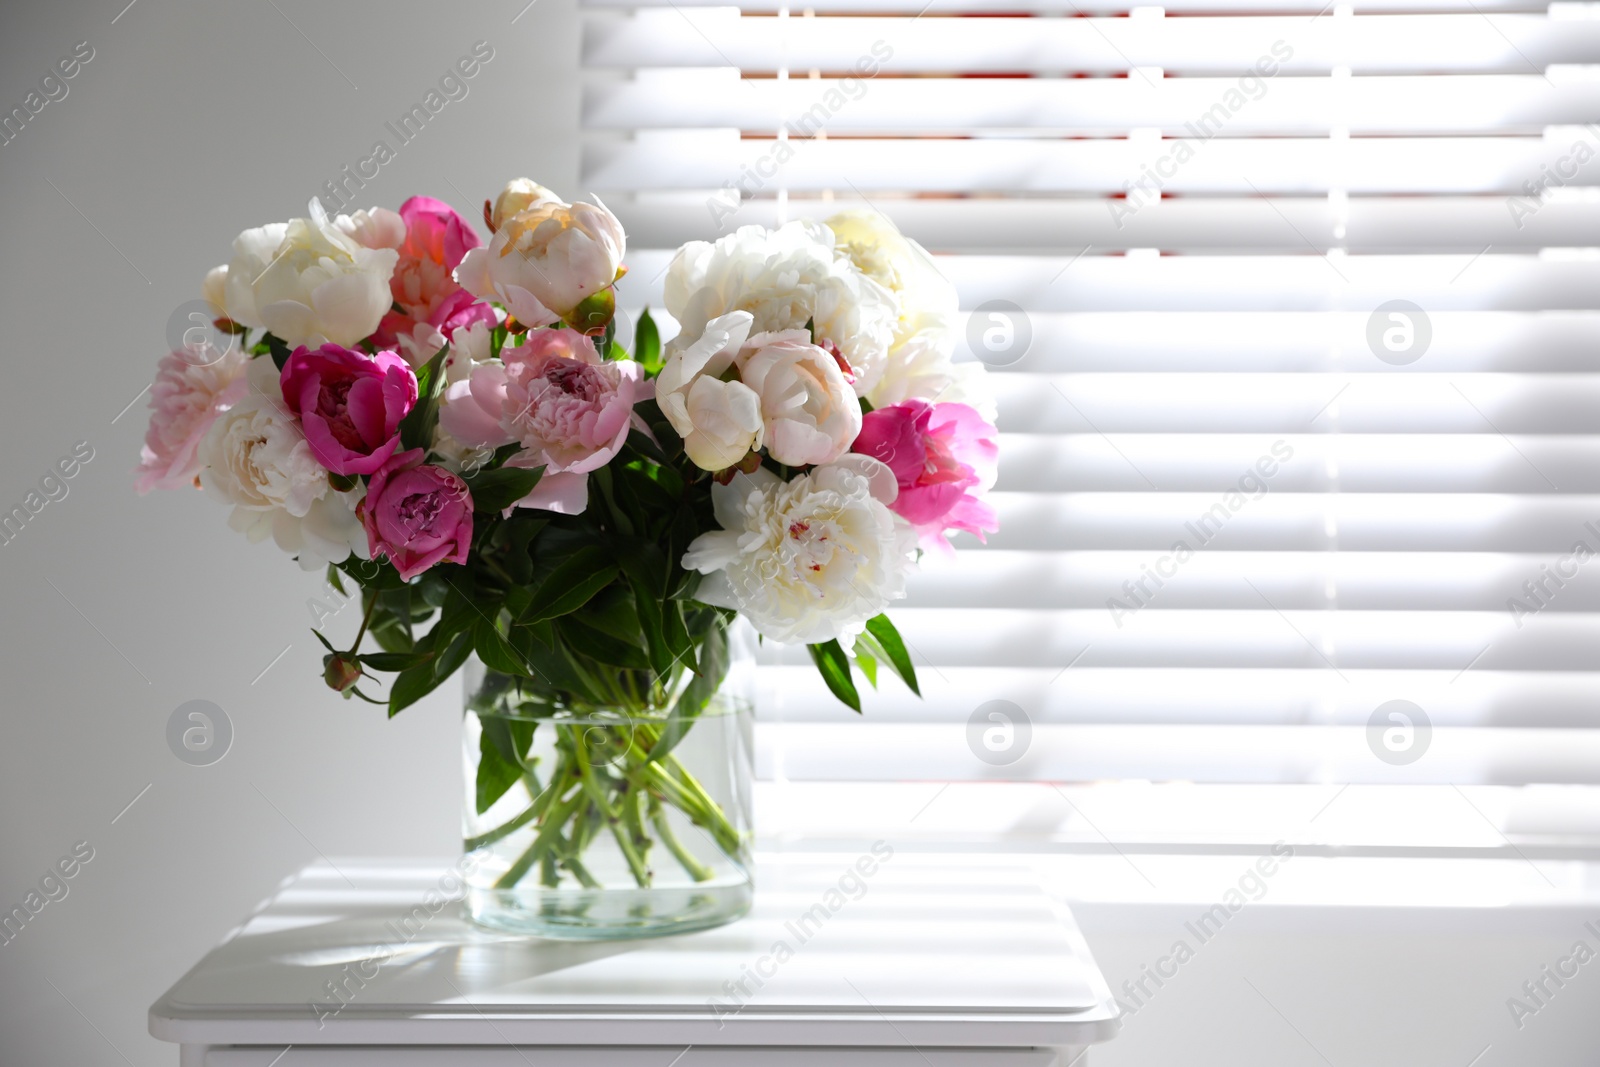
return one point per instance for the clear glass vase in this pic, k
(602, 823)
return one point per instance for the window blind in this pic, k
(1310, 290)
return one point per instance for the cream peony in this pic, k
(519, 195)
(809, 560)
(546, 260)
(311, 281)
(920, 362)
(785, 278)
(256, 458)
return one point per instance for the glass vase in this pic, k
(627, 820)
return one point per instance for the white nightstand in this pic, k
(927, 962)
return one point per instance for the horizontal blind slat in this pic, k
(1217, 45)
(1150, 696)
(1217, 753)
(706, 159)
(1079, 280)
(1504, 104)
(1546, 524)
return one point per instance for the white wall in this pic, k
(194, 121)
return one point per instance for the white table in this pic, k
(927, 962)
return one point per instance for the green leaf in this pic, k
(454, 655)
(571, 585)
(701, 688)
(888, 637)
(647, 344)
(279, 348)
(416, 429)
(496, 770)
(834, 666)
(318, 635)
(498, 489)
(866, 660)
(411, 685)
(495, 651)
(601, 647)
(394, 661)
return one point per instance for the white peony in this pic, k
(214, 291)
(785, 278)
(547, 259)
(808, 560)
(256, 458)
(310, 281)
(920, 363)
(881, 252)
(719, 421)
(809, 413)
(921, 366)
(373, 228)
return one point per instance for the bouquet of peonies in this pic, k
(454, 427)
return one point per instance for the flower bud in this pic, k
(340, 671)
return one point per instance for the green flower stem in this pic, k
(569, 819)
(591, 784)
(489, 837)
(658, 818)
(558, 815)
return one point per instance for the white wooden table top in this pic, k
(946, 951)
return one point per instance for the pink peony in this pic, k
(350, 404)
(423, 283)
(555, 396)
(416, 514)
(943, 456)
(192, 388)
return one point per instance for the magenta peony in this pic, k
(416, 514)
(350, 404)
(943, 456)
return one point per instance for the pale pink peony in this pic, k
(416, 515)
(553, 394)
(944, 459)
(192, 388)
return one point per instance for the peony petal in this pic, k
(565, 494)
